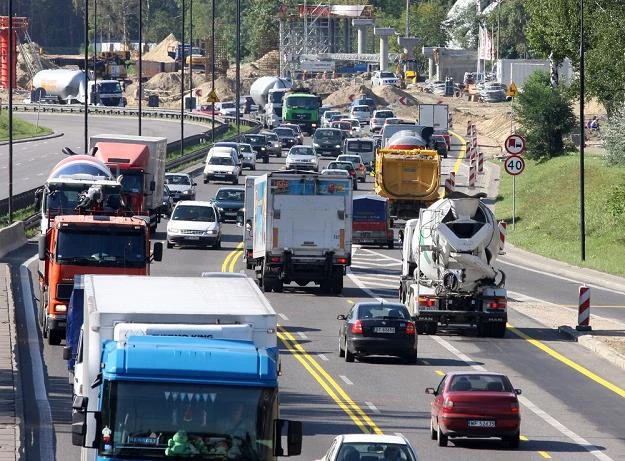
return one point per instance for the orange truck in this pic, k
(139, 162)
(87, 244)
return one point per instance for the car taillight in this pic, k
(342, 260)
(410, 330)
(352, 172)
(448, 404)
(361, 167)
(357, 327)
(497, 303)
(249, 253)
(275, 259)
(514, 407)
(427, 302)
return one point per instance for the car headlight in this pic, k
(186, 192)
(316, 144)
(173, 230)
(263, 148)
(210, 232)
(338, 146)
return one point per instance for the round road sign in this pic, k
(514, 165)
(515, 144)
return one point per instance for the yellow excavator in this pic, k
(407, 70)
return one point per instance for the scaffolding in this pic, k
(317, 29)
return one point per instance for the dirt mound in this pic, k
(30, 54)
(224, 87)
(391, 95)
(341, 97)
(159, 52)
(269, 64)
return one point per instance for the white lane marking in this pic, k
(379, 285)
(282, 316)
(373, 408)
(567, 279)
(323, 357)
(302, 335)
(375, 264)
(45, 434)
(592, 449)
(346, 380)
(365, 275)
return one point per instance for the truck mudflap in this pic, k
(488, 323)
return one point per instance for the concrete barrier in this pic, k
(12, 237)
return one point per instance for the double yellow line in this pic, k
(332, 388)
(232, 258)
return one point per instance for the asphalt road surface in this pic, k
(572, 406)
(33, 160)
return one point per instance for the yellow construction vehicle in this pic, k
(407, 70)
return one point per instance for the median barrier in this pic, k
(12, 237)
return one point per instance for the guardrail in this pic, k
(27, 198)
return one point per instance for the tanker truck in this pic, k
(407, 172)
(65, 86)
(448, 276)
(267, 93)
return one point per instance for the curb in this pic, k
(589, 342)
(34, 138)
(17, 381)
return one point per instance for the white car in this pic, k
(249, 156)
(356, 128)
(181, 186)
(335, 172)
(377, 119)
(327, 117)
(362, 113)
(194, 223)
(227, 108)
(302, 158)
(380, 77)
(221, 167)
(378, 447)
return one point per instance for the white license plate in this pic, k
(481, 423)
(219, 175)
(383, 329)
(193, 237)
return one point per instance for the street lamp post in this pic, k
(582, 219)
(140, 70)
(87, 92)
(182, 63)
(11, 54)
(238, 68)
(213, 70)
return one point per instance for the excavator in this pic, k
(407, 70)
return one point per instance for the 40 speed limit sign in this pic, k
(514, 165)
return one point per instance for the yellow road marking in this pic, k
(544, 454)
(332, 388)
(350, 301)
(584, 371)
(440, 372)
(522, 437)
(463, 149)
(231, 258)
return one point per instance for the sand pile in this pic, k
(160, 52)
(30, 53)
(269, 64)
(224, 87)
(391, 95)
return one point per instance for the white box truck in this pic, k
(435, 116)
(162, 362)
(302, 230)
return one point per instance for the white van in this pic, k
(222, 164)
(365, 147)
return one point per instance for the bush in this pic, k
(546, 116)
(615, 202)
(612, 135)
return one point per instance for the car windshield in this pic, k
(384, 114)
(193, 213)
(255, 139)
(302, 102)
(326, 134)
(221, 161)
(340, 166)
(295, 128)
(480, 382)
(284, 131)
(302, 150)
(349, 158)
(382, 311)
(330, 113)
(359, 146)
(355, 123)
(230, 195)
(245, 148)
(361, 109)
(99, 247)
(227, 105)
(110, 87)
(178, 179)
(374, 451)
(387, 75)
(272, 136)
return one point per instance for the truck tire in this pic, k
(498, 330)
(420, 327)
(337, 285)
(484, 329)
(390, 244)
(431, 327)
(279, 154)
(54, 336)
(266, 159)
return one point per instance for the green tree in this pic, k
(463, 30)
(612, 134)
(545, 114)
(509, 21)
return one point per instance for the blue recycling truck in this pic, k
(178, 368)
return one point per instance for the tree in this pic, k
(546, 115)
(509, 21)
(612, 134)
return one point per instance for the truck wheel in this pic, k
(390, 244)
(279, 154)
(484, 329)
(205, 180)
(235, 181)
(498, 330)
(266, 160)
(54, 337)
(411, 358)
(420, 326)
(431, 327)
(278, 286)
(337, 285)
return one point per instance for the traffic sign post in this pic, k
(514, 165)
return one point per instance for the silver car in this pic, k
(249, 156)
(274, 146)
(181, 186)
(377, 119)
(302, 158)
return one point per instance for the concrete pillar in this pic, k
(384, 33)
(361, 25)
(430, 68)
(408, 44)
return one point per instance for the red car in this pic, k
(476, 404)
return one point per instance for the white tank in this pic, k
(456, 242)
(261, 86)
(66, 84)
(406, 139)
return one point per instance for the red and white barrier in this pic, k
(472, 176)
(503, 227)
(450, 183)
(480, 162)
(472, 158)
(583, 313)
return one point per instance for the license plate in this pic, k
(219, 175)
(383, 329)
(481, 423)
(192, 238)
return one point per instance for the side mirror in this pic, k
(430, 390)
(79, 420)
(158, 251)
(41, 247)
(341, 317)
(194, 184)
(293, 437)
(517, 391)
(67, 353)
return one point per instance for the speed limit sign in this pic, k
(514, 165)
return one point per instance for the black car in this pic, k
(259, 143)
(372, 328)
(439, 144)
(328, 141)
(288, 137)
(229, 202)
(168, 202)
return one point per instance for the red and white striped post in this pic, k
(472, 176)
(473, 130)
(480, 162)
(583, 313)
(450, 183)
(472, 157)
(503, 227)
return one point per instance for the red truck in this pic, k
(140, 161)
(87, 244)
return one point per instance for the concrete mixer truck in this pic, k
(65, 86)
(407, 172)
(267, 93)
(448, 276)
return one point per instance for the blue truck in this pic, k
(178, 368)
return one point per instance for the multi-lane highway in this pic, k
(33, 160)
(573, 404)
